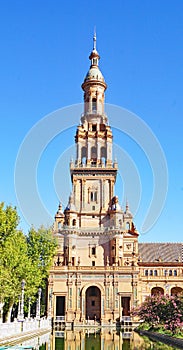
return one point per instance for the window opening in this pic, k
(93, 251)
(94, 104)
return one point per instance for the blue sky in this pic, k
(44, 58)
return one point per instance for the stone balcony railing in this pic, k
(87, 231)
(93, 165)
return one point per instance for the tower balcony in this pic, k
(93, 164)
(90, 231)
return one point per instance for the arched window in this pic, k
(176, 290)
(94, 153)
(175, 273)
(83, 155)
(170, 272)
(93, 251)
(103, 154)
(94, 104)
(93, 196)
(59, 225)
(93, 156)
(102, 127)
(146, 272)
(74, 222)
(155, 273)
(94, 61)
(127, 226)
(157, 290)
(151, 273)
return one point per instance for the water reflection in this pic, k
(94, 340)
(103, 340)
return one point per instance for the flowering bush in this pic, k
(162, 310)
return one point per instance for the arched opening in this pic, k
(103, 154)
(74, 222)
(94, 105)
(176, 290)
(157, 290)
(94, 155)
(127, 226)
(83, 155)
(93, 303)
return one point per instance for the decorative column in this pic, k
(21, 303)
(115, 297)
(111, 188)
(50, 302)
(83, 193)
(83, 307)
(74, 191)
(90, 104)
(98, 152)
(103, 194)
(134, 290)
(120, 308)
(88, 152)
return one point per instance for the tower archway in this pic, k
(93, 303)
(176, 291)
(157, 290)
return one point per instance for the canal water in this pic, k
(104, 339)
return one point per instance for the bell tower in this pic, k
(93, 173)
(95, 270)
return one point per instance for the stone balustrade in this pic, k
(27, 325)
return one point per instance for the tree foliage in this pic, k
(162, 310)
(22, 257)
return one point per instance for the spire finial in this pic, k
(94, 39)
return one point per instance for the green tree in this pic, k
(41, 248)
(9, 221)
(22, 257)
(14, 267)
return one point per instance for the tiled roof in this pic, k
(165, 252)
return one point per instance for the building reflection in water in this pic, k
(105, 339)
(93, 339)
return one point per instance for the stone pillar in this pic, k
(83, 193)
(98, 152)
(111, 188)
(89, 152)
(120, 309)
(90, 104)
(74, 191)
(83, 307)
(103, 194)
(134, 293)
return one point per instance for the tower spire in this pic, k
(94, 39)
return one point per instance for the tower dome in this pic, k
(94, 74)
